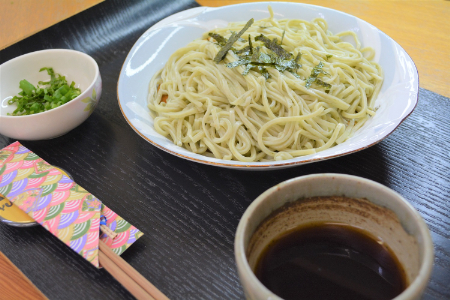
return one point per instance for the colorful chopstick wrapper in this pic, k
(60, 205)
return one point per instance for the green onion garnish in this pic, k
(50, 94)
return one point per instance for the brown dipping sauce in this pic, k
(330, 261)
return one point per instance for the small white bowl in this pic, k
(415, 256)
(75, 66)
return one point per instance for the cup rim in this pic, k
(413, 290)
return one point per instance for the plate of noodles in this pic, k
(258, 86)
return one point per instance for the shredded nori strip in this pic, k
(315, 73)
(254, 59)
(274, 46)
(220, 39)
(247, 68)
(233, 38)
(234, 64)
(258, 61)
(264, 72)
(283, 65)
(245, 51)
(248, 50)
(327, 86)
(265, 58)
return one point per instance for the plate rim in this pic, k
(272, 164)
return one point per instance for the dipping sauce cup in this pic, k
(338, 199)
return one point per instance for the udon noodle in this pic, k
(213, 109)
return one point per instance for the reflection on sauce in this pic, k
(330, 261)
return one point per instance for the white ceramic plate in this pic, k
(397, 99)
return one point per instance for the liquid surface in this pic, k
(330, 261)
(10, 212)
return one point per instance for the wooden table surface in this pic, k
(188, 211)
(21, 18)
(15, 285)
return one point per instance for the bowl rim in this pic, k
(89, 58)
(252, 165)
(416, 287)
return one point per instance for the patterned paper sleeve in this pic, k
(60, 205)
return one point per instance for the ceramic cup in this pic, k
(346, 199)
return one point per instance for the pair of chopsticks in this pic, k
(125, 274)
(131, 279)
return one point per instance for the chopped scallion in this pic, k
(51, 94)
